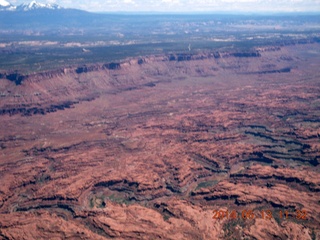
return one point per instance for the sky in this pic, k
(187, 5)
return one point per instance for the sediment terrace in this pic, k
(149, 147)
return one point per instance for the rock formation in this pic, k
(150, 147)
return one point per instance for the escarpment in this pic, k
(34, 93)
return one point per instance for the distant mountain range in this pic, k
(37, 16)
(34, 5)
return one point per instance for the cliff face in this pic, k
(149, 148)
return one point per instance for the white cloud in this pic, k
(240, 1)
(171, 1)
(187, 5)
(129, 1)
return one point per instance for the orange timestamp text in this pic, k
(248, 214)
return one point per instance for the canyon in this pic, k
(149, 147)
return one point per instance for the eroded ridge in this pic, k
(150, 147)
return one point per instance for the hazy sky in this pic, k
(187, 5)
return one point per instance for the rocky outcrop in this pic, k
(113, 66)
(283, 70)
(150, 148)
(28, 111)
(246, 54)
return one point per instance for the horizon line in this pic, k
(202, 12)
